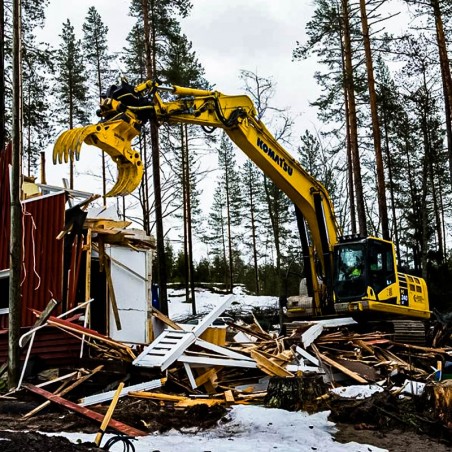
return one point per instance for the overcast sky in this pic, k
(227, 36)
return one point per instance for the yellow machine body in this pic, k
(126, 108)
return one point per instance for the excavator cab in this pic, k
(362, 264)
(365, 280)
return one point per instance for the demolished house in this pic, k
(74, 255)
(87, 300)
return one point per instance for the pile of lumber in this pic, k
(248, 364)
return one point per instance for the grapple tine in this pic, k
(115, 139)
(57, 152)
(66, 146)
(122, 180)
(83, 134)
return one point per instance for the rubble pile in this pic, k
(205, 365)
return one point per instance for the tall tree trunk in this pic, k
(71, 126)
(229, 228)
(435, 199)
(253, 234)
(415, 207)
(2, 76)
(351, 188)
(150, 50)
(273, 214)
(184, 211)
(391, 187)
(189, 225)
(104, 175)
(445, 71)
(381, 192)
(349, 83)
(16, 211)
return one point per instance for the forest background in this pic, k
(382, 144)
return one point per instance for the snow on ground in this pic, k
(357, 391)
(249, 428)
(206, 300)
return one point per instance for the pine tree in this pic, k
(225, 216)
(159, 19)
(278, 216)
(71, 83)
(37, 66)
(253, 211)
(98, 62)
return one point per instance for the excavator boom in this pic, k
(377, 288)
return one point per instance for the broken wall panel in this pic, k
(43, 254)
(131, 280)
(51, 345)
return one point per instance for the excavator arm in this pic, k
(126, 108)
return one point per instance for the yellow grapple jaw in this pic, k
(114, 137)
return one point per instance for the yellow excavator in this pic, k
(343, 275)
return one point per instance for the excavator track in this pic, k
(409, 331)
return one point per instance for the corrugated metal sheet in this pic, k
(43, 220)
(51, 345)
(43, 254)
(5, 160)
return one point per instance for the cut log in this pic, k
(439, 396)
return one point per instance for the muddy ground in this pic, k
(382, 420)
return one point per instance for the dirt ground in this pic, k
(380, 421)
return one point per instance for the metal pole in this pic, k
(16, 212)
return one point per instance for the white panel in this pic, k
(131, 290)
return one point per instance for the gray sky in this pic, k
(227, 36)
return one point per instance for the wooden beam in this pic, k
(106, 396)
(63, 391)
(343, 369)
(108, 415)
(90, 414)
(229, 396)
(269, 367)
(166, 320)
(207, 376)
(70, 326)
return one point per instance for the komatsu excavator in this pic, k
(353, 275)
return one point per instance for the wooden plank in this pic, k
(224, 351)
(108, 415)
(65, 324)
(156, 396)
(269, 367)
(311, 334)
(307, 356)
(111, 292)
(207, 361)
(166, 320)
(90, 414)
(192, 402)
(64, 391)
(229, 396)
(191, 377)
(343, 369)
(207, 376)
(108, 395)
